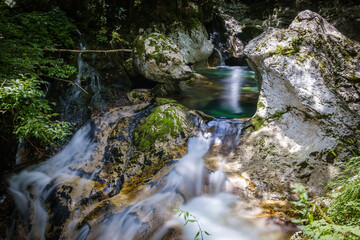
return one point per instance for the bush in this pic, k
(31, 113)
(23, 65)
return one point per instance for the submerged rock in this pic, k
(309, 79)
(158, 59)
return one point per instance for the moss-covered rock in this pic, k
(166, 124)
(158, 59)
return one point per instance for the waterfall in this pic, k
(232, 90)
(75, 104)
(222, 62)
(35, 184)
(32, 187)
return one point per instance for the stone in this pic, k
(193, 42)
(308, 75)
(157, 58)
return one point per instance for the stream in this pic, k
(188, 185)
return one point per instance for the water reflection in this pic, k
(224, 92)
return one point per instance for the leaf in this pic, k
(207, 233)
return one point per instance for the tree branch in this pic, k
(68, 81)
(87, 51)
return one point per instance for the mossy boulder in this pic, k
(167, 124)
(157, 58)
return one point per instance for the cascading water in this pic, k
(36, 183)
(186, 184)
(75, 104)
(189, 185)
(222, 63)
(32, 187)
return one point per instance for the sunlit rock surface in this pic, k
(158, 59)
(309, 97)
(193, 42)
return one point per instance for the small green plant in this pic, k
(278, 114)
(188, 217)
(303, 205)
(340, 217)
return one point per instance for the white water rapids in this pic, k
(185, 187)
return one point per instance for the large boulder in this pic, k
(158, 59)
(309, 79)
(193, 41)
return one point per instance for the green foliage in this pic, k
(189, 218)
(23, 36)
(323, 230)
(23, 64)
(346, 196)
(303, 205)
(23, 98)
(278, 114)
(340, 218)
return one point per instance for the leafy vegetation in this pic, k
(303, 205)
(24, 67)
(31, 112)
(189, 218)
(337, 215)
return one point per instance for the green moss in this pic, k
(278, 114)
(163, 123)
(163, 101)
(257, 122)
(353, 77)
(294, 47)
(159, 42)
(192, 23)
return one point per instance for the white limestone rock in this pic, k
(192, 41)
(309, 97)
(158, 59)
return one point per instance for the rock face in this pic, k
(309, 79)
(158, 59)
(193, 42)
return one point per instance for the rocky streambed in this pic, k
(124, 172)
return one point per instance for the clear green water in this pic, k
(225, 92)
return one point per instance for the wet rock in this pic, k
(158, 59)
(7, 207)
(166, 124)
(309, 80)
(138, 96)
